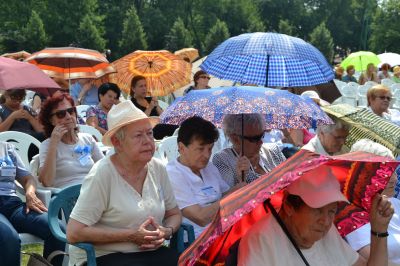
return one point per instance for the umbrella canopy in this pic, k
(20, 75)
(392, 59)
(71, 63)
(21, 55)
(281, 108)
(366, 124)
(268, 59)
(244, 207)
(188, 54)
(164, 71)
(360, 60)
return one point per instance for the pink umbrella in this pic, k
(20, 75)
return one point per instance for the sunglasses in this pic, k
(64, 90)
(204, 77)
(17, 98)
(253, 139)
(62, 113)
(385, 98)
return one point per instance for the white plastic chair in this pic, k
(167, 149)
(349, 95)
(370, 83)
(21, 142)
(362, 95)
(396, 99)
(29, 97)
(81, 109)
(395, 87)
(387, 82)
(92, 131)
(163, 105)
(339, 84)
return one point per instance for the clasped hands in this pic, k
(150, 235)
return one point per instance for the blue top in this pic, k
(11, 169)
(91, 98)
(349, 79)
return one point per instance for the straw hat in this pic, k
(123, 114)
(396, 69)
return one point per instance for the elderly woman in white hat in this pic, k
(126, 205)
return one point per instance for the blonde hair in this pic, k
(371, 93)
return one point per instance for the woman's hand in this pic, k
(149, 235)
(381, 213)
(243, 164)
(34, 204)
(58, 132)
(21, 114)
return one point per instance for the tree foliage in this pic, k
(154, 24)
(133, 36)
(179, 37)
(34, 34)
(218, 33)
(321, 38)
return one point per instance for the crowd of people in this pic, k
(130, 202)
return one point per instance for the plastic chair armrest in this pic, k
(90, 253)
(178, 242)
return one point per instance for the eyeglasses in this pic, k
(204, 77)
(17, 98)
(62, 113)
(385, 98)
(253, 139)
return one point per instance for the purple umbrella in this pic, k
(20, 75)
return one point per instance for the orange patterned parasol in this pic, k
(71, 63)
(20, 56)
(188, 54)
(164, 71)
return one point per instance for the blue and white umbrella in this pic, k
(269, 59)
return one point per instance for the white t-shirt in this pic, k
(266, 244)
(362, 236)
(107, 200)
(190, 189)
(71, 163)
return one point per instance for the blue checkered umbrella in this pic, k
(281, 108)
(268, 59)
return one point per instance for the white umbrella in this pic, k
(392, 59)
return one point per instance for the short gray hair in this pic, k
(120, 134)
(232, 123)
(338, 124)
(367, 145)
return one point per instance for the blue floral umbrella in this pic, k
(281, 108)
(268, 59)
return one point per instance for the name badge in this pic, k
(8, 171)
(84, 159)
(209, 191)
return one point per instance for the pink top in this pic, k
(307, 136)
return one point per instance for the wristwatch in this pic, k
(384, 234)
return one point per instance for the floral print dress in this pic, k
(96, 111)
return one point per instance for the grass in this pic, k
(35, 248)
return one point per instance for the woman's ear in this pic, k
(181, 147)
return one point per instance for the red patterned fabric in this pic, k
(241, 209)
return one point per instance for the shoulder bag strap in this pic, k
(283, 226)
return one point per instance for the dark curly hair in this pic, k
(108, 87)
(48, 106)
(197, 128)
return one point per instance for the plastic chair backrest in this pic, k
(167, 149)
(396, 97)
(370, 83)
(163, 105)
(63, 203)
(21, 141)
(81, 109)
(395, 87)
(387, 82)
(92, 131)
